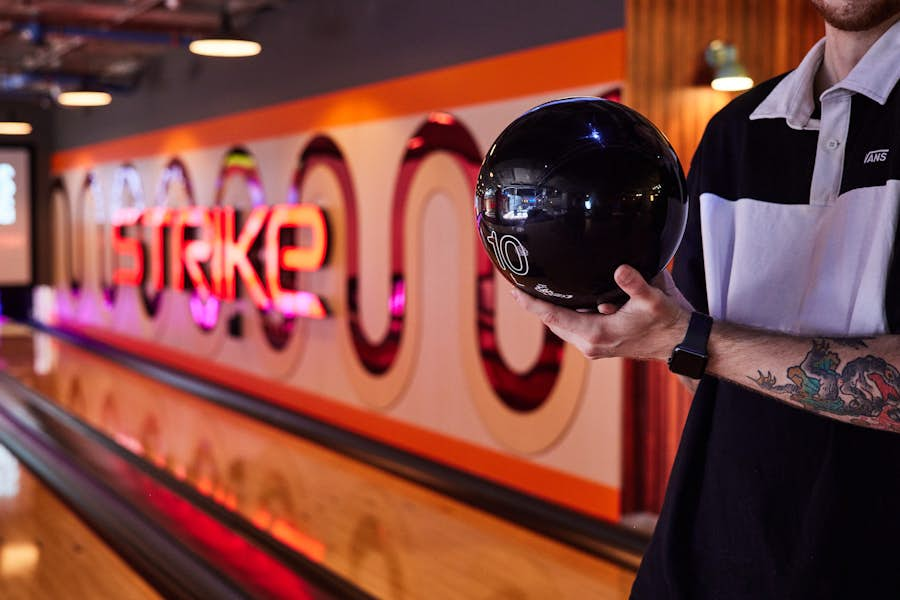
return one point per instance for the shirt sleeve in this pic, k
(688, 270)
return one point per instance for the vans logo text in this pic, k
(876, 156)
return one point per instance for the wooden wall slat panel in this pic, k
(666, 40)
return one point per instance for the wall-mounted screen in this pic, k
(15, 217)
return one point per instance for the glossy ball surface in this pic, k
(571, 190)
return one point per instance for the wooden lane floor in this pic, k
(46, 551)
(391, 537)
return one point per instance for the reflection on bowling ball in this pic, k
(571, 190)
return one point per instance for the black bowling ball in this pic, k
(571, 190)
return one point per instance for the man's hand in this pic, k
(648, 326)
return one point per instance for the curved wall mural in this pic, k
(334, 269)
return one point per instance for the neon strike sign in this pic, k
(214, 252)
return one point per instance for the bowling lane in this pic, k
(391, 537)
(46, 551)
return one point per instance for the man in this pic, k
(792, 247)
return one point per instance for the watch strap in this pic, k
(698, 332)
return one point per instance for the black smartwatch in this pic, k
(689, 357)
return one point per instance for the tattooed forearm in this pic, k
(866, 387)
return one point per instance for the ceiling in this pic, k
(52, 45)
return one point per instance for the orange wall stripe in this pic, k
(582, 61)
(585, 496)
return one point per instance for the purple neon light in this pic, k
(398, 299)
(204, 313)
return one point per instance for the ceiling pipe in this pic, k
(135, 10)
(95, 15)
(134, 37)
(21, 81)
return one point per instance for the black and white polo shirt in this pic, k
(793, 227)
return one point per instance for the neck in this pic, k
(843, 49)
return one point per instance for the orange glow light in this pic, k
(441, 118)
(299, 541)
(261, 518)
(157, 219)
(295, 258)
(197, 252)
(176, 265)
(234, 256)
(204, 486)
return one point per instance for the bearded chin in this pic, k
(856, 15)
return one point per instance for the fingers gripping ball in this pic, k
(571, 190)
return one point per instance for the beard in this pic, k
(856, 15)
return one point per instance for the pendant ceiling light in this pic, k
(84, 97)
(14, 127)
(225, 43)
(729, 75)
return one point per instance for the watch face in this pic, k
(688, 363)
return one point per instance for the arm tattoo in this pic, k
(867, 386)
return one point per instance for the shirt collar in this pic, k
(874, 76)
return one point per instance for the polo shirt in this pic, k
(792, 227)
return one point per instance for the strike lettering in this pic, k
(225, 253)
(295, 258)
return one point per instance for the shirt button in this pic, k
(832, 144)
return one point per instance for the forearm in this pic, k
(850, 380)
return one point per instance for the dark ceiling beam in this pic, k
(108, 15)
